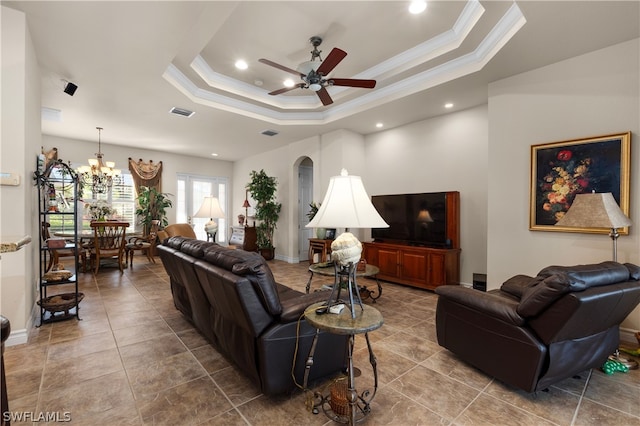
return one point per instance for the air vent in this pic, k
(181, 111)
(269, 132)
(51, 114)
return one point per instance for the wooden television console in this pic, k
(418, 266)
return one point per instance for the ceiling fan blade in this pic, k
(335, 56)
(286, 89)
(353, 82)
(281, 67)
(324, 97)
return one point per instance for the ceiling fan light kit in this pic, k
(314, 73)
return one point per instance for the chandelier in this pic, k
(100, 175)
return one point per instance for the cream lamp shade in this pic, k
(210, 208)
(596, 210)
(347, 205)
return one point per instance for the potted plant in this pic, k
(152, 205)
(320, 232)
(263, 191)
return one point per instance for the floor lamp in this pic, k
(596, 210)
(210, 208)
(599, 210)
(346, 205)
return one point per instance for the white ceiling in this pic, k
(133, 61)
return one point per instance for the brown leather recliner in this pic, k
(180, 230)
(534, 332)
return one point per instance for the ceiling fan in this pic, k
(314, 73)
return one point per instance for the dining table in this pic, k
(85, 236)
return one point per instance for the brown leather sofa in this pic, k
(536, 331)
(233, 300)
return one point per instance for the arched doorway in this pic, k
(305, 197)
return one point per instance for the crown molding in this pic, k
(508, 25)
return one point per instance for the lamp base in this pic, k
(211, 228)
(345, 278)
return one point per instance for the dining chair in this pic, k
(146, 244)
(56, 253)
(109, 240)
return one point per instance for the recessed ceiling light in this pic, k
(241, 64)
(213, 154)
(448, 105)
(417, 6)
(288, 83)
(379, 125)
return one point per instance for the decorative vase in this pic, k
(321, 233)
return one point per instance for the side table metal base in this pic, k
(354, 406)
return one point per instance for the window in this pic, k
(122, 198)
(191, 192)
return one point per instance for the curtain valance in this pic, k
(146, 174)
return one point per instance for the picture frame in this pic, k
(331, 234)
(561, 170)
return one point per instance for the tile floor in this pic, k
(134, 360)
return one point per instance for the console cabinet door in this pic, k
(414, 267)
(436, 270)
(388, 262)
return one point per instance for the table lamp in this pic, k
(346, 205)
(596, 210)
(210, 208)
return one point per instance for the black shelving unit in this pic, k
(57, 183)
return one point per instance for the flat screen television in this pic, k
(415, 219)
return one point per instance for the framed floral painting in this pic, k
(561, 170)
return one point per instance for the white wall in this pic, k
(79, 151)
(594, 94)
(20, 143)
(447, 153)
(329, 152)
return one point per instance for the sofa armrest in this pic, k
(293, 308)
(492, 304)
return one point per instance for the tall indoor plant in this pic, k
(263, 190)
(152, 205)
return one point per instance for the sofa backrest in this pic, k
(592, 274)
(240, 263)
(570, 302)
(553, 282)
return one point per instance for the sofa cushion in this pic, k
(539, 296)
(634, 271)
(593, 274)
(253, 267)
(225, 258)
(517, 285)
(196, 248)
(175, 242)
(258, 272)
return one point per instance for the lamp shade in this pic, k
(346, 205)
(210, 208)
(424, 216)
(596, 210)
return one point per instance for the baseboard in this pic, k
(19, 337)
(628, 335)
(286, 258)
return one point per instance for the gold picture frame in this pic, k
(561, 170)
